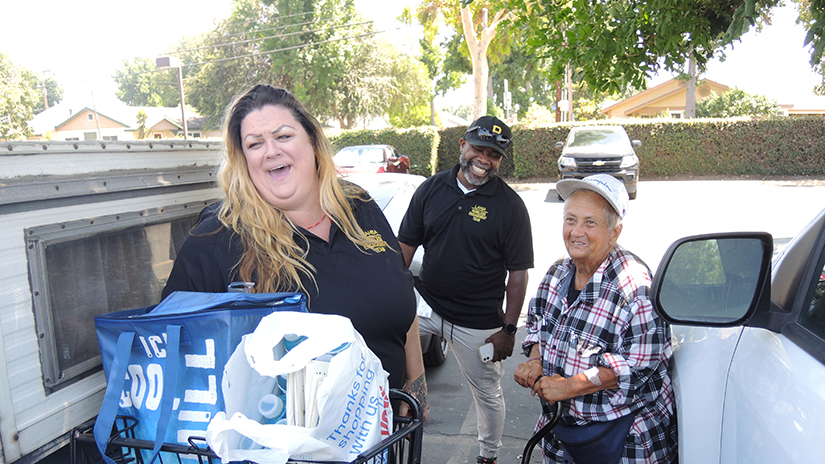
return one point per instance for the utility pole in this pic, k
(45, 96)
(43, 87)
(174, 62)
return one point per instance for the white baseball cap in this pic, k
(610, 188)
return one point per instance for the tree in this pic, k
(137, 84)
(53, 92)
(735, 102)
(812, 16)
(410, 104)
(142, 131)
(615, 43)
(18, 98)
(527, 80)
(321, 50)
(443, 77)
(478, 31)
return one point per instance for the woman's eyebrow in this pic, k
(277, 130)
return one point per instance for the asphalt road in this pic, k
(663, 212)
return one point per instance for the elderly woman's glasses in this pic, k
(485, 134)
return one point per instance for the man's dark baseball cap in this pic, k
(489, 131)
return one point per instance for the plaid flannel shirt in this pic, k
(611, 324)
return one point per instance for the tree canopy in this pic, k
(321, 50)
(19, 97)
(735, 102)
(615, 43)
(473, 26)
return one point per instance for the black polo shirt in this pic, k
(373, 289)
(470, 242)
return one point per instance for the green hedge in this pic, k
(779, 146)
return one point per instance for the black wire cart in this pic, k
(402, 447)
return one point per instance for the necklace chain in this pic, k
(316, 224)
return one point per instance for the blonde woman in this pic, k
(288, 223)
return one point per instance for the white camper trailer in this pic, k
(85, 228)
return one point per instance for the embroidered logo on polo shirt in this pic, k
(377, 243)
(478, 213)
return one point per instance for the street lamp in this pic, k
(166, 62)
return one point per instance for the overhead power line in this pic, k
(269, 52)
(294, 47)
(278, 36)
(244, 32)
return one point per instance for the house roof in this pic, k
(126, 116)
(656, 93)
(70, 118)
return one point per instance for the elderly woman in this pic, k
(288, 223)
(594, 342)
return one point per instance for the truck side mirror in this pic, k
(717, 280)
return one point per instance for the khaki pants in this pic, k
(484, 378)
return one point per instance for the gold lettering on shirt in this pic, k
(478, 213)
(377, 243)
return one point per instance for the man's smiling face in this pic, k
(478, 164)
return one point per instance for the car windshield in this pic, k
(599, 137)
(359, 155)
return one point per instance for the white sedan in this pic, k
(393, 193)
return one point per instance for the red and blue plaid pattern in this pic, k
(611, 324)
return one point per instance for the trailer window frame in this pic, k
(64, 278)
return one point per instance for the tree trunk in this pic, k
(478, 53)
(558, 100)
(432, 111)
(690, 97)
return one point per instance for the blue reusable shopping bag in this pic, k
(164, 364)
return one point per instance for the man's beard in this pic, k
(471, 178)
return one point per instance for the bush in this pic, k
(779, 146)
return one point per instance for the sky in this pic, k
(82, 43)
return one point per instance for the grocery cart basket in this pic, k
(402, 447)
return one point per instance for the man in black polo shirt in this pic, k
(478, 246)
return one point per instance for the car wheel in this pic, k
(632, 195)
(436, 353)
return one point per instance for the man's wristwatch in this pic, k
(509, 329)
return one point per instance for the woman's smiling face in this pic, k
(280, 158)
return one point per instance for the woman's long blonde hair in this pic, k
(271, 257)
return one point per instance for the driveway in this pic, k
(663, 212)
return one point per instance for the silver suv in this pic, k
(600, 150)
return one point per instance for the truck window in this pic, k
(96, 266)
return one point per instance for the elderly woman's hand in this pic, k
(528, 372)
(552, 389)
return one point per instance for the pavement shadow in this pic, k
(553, 196)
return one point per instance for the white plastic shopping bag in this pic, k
(304, 368)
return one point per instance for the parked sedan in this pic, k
(371, 159)
(749, 345)
(393, 193)
(600, 150)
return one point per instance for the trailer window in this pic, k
(93, 267)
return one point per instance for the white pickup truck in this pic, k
(85, 228)
(749, 346)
